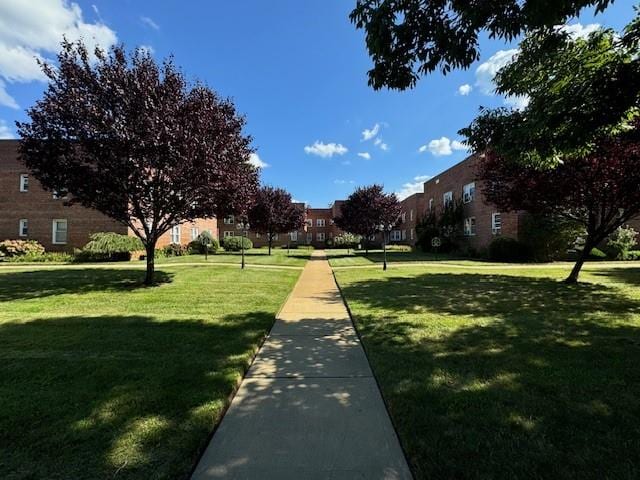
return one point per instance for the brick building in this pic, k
(28, 212)
(413, 209)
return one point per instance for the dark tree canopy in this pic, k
(579, 91)
(366, 209)
(407, 39)
(131, 139)
(274, 212)
(600, 191)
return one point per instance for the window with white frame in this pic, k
(403, 217)
(470, 226)
(468, 192)
(309, 222)
(228, 220)
(411, 215)
(59, 235)
(496, 223)
(320, 222)
(24, 182)
(447, 198)
(228, 233)
(320, 236)
(23, 227)
(395, 236)
(257, 235)
(293, 236)
(404, 234)
(431, 204)
(194, 233)
(175, 234)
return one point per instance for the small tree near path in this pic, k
(274, 213)
(129, 138)
(365, 210)
(600, 191)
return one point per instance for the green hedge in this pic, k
(234, 244)
(505, 249)
(198, 245)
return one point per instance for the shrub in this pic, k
(198, 245)
(346, 240)
(17, 248)
(174, 250)
(597, 254)
(234, 244)
(109, 246)
(549, 237)
(633, 255)
(399, 248)
(61, 257)
(621, 242)
(505, 249)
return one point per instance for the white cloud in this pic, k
(464, 89)
(325, 150)
(409, 188)
(365, 155)
(343, 182)
(442, 146)
(31, 30)
(577, 30)
(380, 144)
(256, 161)
(369, 134)
(519, 102)
(486, 71)
(5, 132)
(149, 22)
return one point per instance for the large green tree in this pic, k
(580, 90)
(407, 39)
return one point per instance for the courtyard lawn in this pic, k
(345, 258)
(255, 256)
(506, 373)
(103, 378)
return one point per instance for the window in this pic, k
(175, 234)
(23, 227)
(496, 223)
(447, 198)
(59, 236)
(57, 194)
(468, 192)
(403, 217)
(411, 215)
(24, 182)
(411, 234)
(309, 222)
(470, 226)
(395, 235)
(309, 237)
(404, 234)
(274, 236)
(431, 204)
(320, 222)
(293, 236)
(194, 233)
(320, 236)
(228, 220)
(228, 233)
(257, 235)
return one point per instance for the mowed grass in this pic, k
(255, 256)
(346, 258)
(103, 378)
(506, 373)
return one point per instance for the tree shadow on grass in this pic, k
(48, 282)
(628, 275)
(496, 376)
(116, 396)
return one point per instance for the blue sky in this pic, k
(296, 69)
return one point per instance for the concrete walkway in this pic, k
(309, 407)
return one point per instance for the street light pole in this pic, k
(243, 226)
(384, 249)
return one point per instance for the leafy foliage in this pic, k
(204, 241)
(366, 209)
(234, 244)
(446, 225)
(274, 212)
(621, 242)
(579, 89)
(505, 249)
(346, 240)
(131, 139)
(548, 237)
(18, 248)
(410, 38)
(174, 250)
(110, 243)
(46, 257)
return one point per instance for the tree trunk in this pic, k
(151, 253)
(270, 242)
(575, 271)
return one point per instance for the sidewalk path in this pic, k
(309, 407)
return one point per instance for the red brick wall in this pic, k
(413, 209)
(40, 208)
(453, 180)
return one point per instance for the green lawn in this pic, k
(255, 256)
(506, 373)
(344, 258)
(103, 378)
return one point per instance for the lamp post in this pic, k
(243, 226)
(385, 229)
